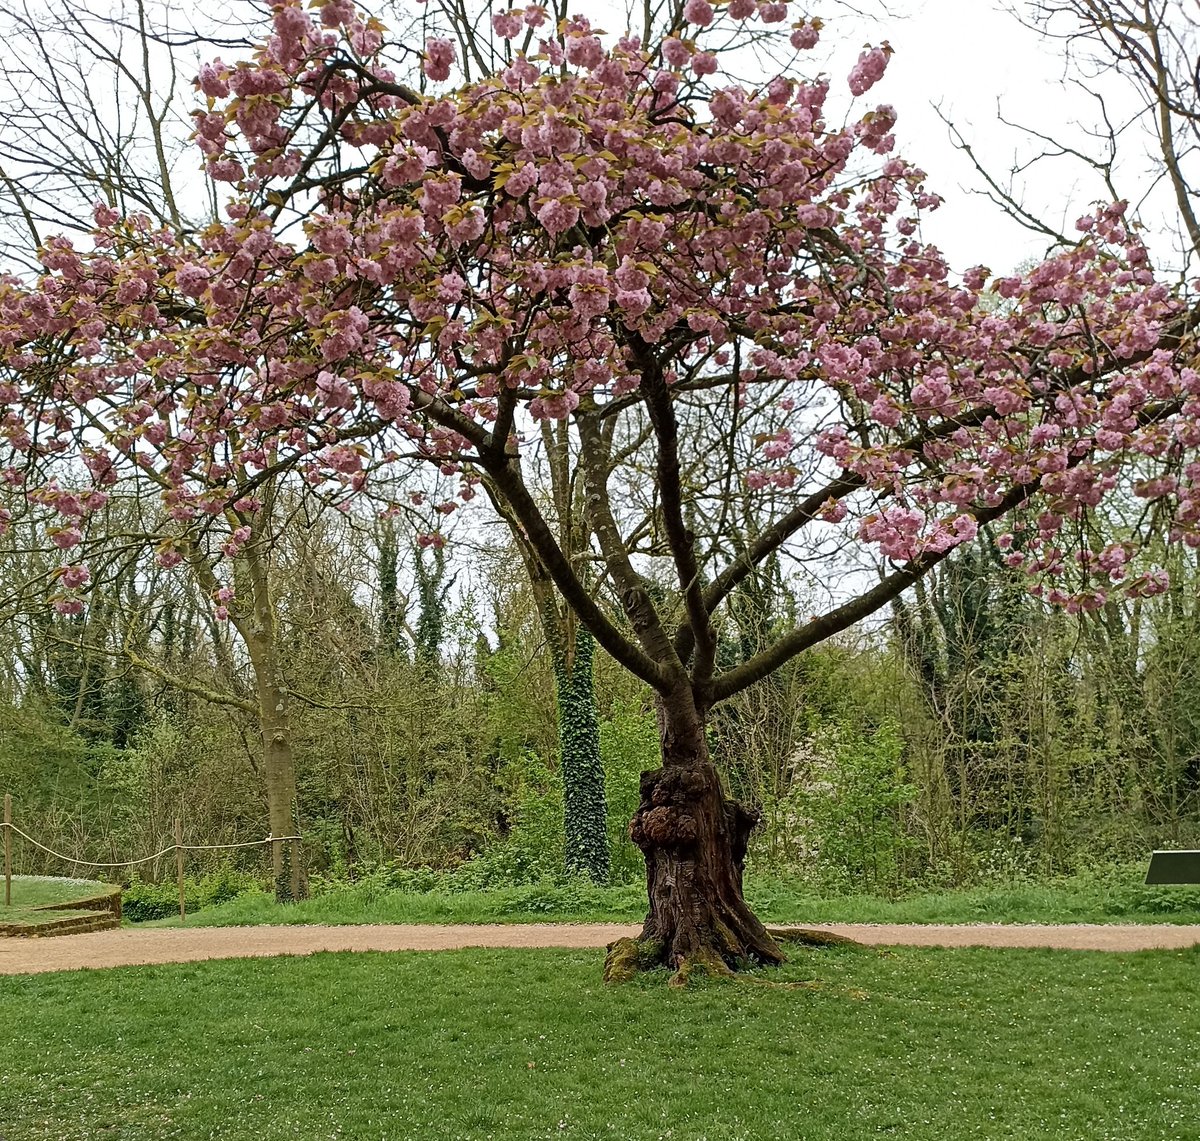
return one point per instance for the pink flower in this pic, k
(322, 270)
(522, 180)
(507, 25)
(66, 537)
(869, 70)
(75, 577)
(335, 12)
(105, 215)
(633, 302)
(212, 80)
(557, 217)
(699, 12)
(806, 36)
(675, 52)
(226, 170)
(71, 607)
(778, 446)
(332, 238)
(965, 528)
(554, 407)
(344, 460)
(704, 63)
(439, 57)
(191, 280)
(585, 51)
(131, 290)
(833, 511)
(291, 23)
(630, 276)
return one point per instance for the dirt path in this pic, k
(131, 946)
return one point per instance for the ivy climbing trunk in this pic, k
(585, 814)
(694, 839)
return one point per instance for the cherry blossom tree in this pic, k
(616, 236)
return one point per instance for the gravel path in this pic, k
(132, 946)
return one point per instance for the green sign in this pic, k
(1174, 867)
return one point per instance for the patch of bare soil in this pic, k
(134, 946)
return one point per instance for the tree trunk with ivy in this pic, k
(585, 815)
(573, 652)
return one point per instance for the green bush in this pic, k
(532, 848)
(141, 900)
(628, 746)
(850, 794)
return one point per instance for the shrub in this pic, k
(141, 901)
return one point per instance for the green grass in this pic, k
(29, 892)
(34, 891)
(1115, 896)
(527, 1045)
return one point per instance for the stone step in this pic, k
(74, 925)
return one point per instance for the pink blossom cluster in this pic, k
(517, 250)
(869, 69)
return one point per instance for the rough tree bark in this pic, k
(279, 774)
(694, 839)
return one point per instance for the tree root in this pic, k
(627, 957)
(808, 937)
(706, 963)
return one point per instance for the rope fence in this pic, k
(179, 848)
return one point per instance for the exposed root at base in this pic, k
(629, 957)
(707, 963)
(626, 957)
(808, 937)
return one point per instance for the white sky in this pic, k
(969, 57)
(976, 60)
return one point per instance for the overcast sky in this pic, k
(974, 57)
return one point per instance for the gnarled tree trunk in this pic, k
(694, 839)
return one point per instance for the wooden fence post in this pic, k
(297, 870)
(8, 849)
(179, 865)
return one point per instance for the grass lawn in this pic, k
(522, 1045)
(29, 892)
(1118, 897)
